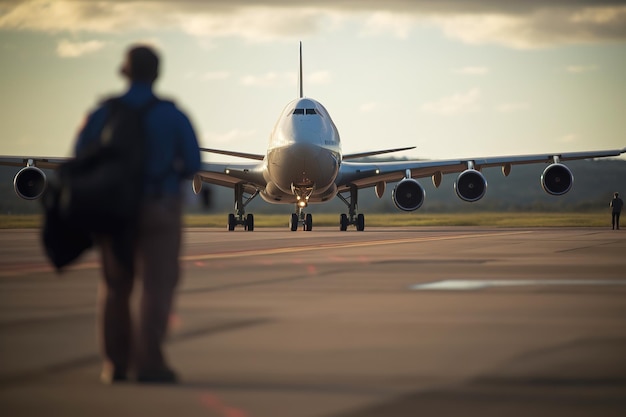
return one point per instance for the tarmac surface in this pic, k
(438, 321)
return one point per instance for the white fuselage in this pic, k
(304, 155)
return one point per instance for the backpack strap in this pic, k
(157, 180)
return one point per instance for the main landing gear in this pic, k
(239, 218)
(352, 218)
(299, 217)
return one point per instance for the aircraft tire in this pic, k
(293, 223)
(232, 222)
(360, 222)
(343, 222)
(308, 222)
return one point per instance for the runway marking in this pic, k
(30, 269)
(472, 285)
(326, 246)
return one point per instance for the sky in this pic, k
(454, 78)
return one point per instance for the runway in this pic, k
(436, 321)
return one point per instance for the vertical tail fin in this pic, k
(300, 73)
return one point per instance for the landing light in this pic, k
(302, 204)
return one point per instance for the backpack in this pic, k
(99, 191)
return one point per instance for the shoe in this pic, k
(157, 376)
(110, 377)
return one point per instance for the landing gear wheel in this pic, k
(360, 222)
(352, 217)
(308, 222)
(343, 222)
(242, 198)
(249, 225)
(293, 223)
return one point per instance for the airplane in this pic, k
(304, 164)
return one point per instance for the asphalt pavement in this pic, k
(437, 321)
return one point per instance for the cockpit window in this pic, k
(305, 111)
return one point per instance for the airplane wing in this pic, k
(368, 174)
(259, 157)
(40, 162)
(248, 175)
(232, 153)
(372, 153)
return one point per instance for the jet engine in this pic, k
(557, 179)
(408, 195)
(196, 185)
(470, 185)
(30, 183)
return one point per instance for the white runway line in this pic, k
(471, 285)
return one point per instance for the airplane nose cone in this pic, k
(303, 165)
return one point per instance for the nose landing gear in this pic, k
(299, 217)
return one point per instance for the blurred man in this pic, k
(171, 155)
(617, 205)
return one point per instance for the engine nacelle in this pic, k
(30, 183)
(196, 185)
(470, 185)
(408, 195)
(557, 179)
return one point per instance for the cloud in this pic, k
(81, 16)
(472, 70)
(256, 24)
(69, 49)
(538, 28)
(200, 19)
(215, 75)
(459, 103)
(523, 25)
(385, 22)
(273, 79)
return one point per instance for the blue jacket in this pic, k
(172, 146)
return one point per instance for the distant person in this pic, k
(616, 205)
(172, 155)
